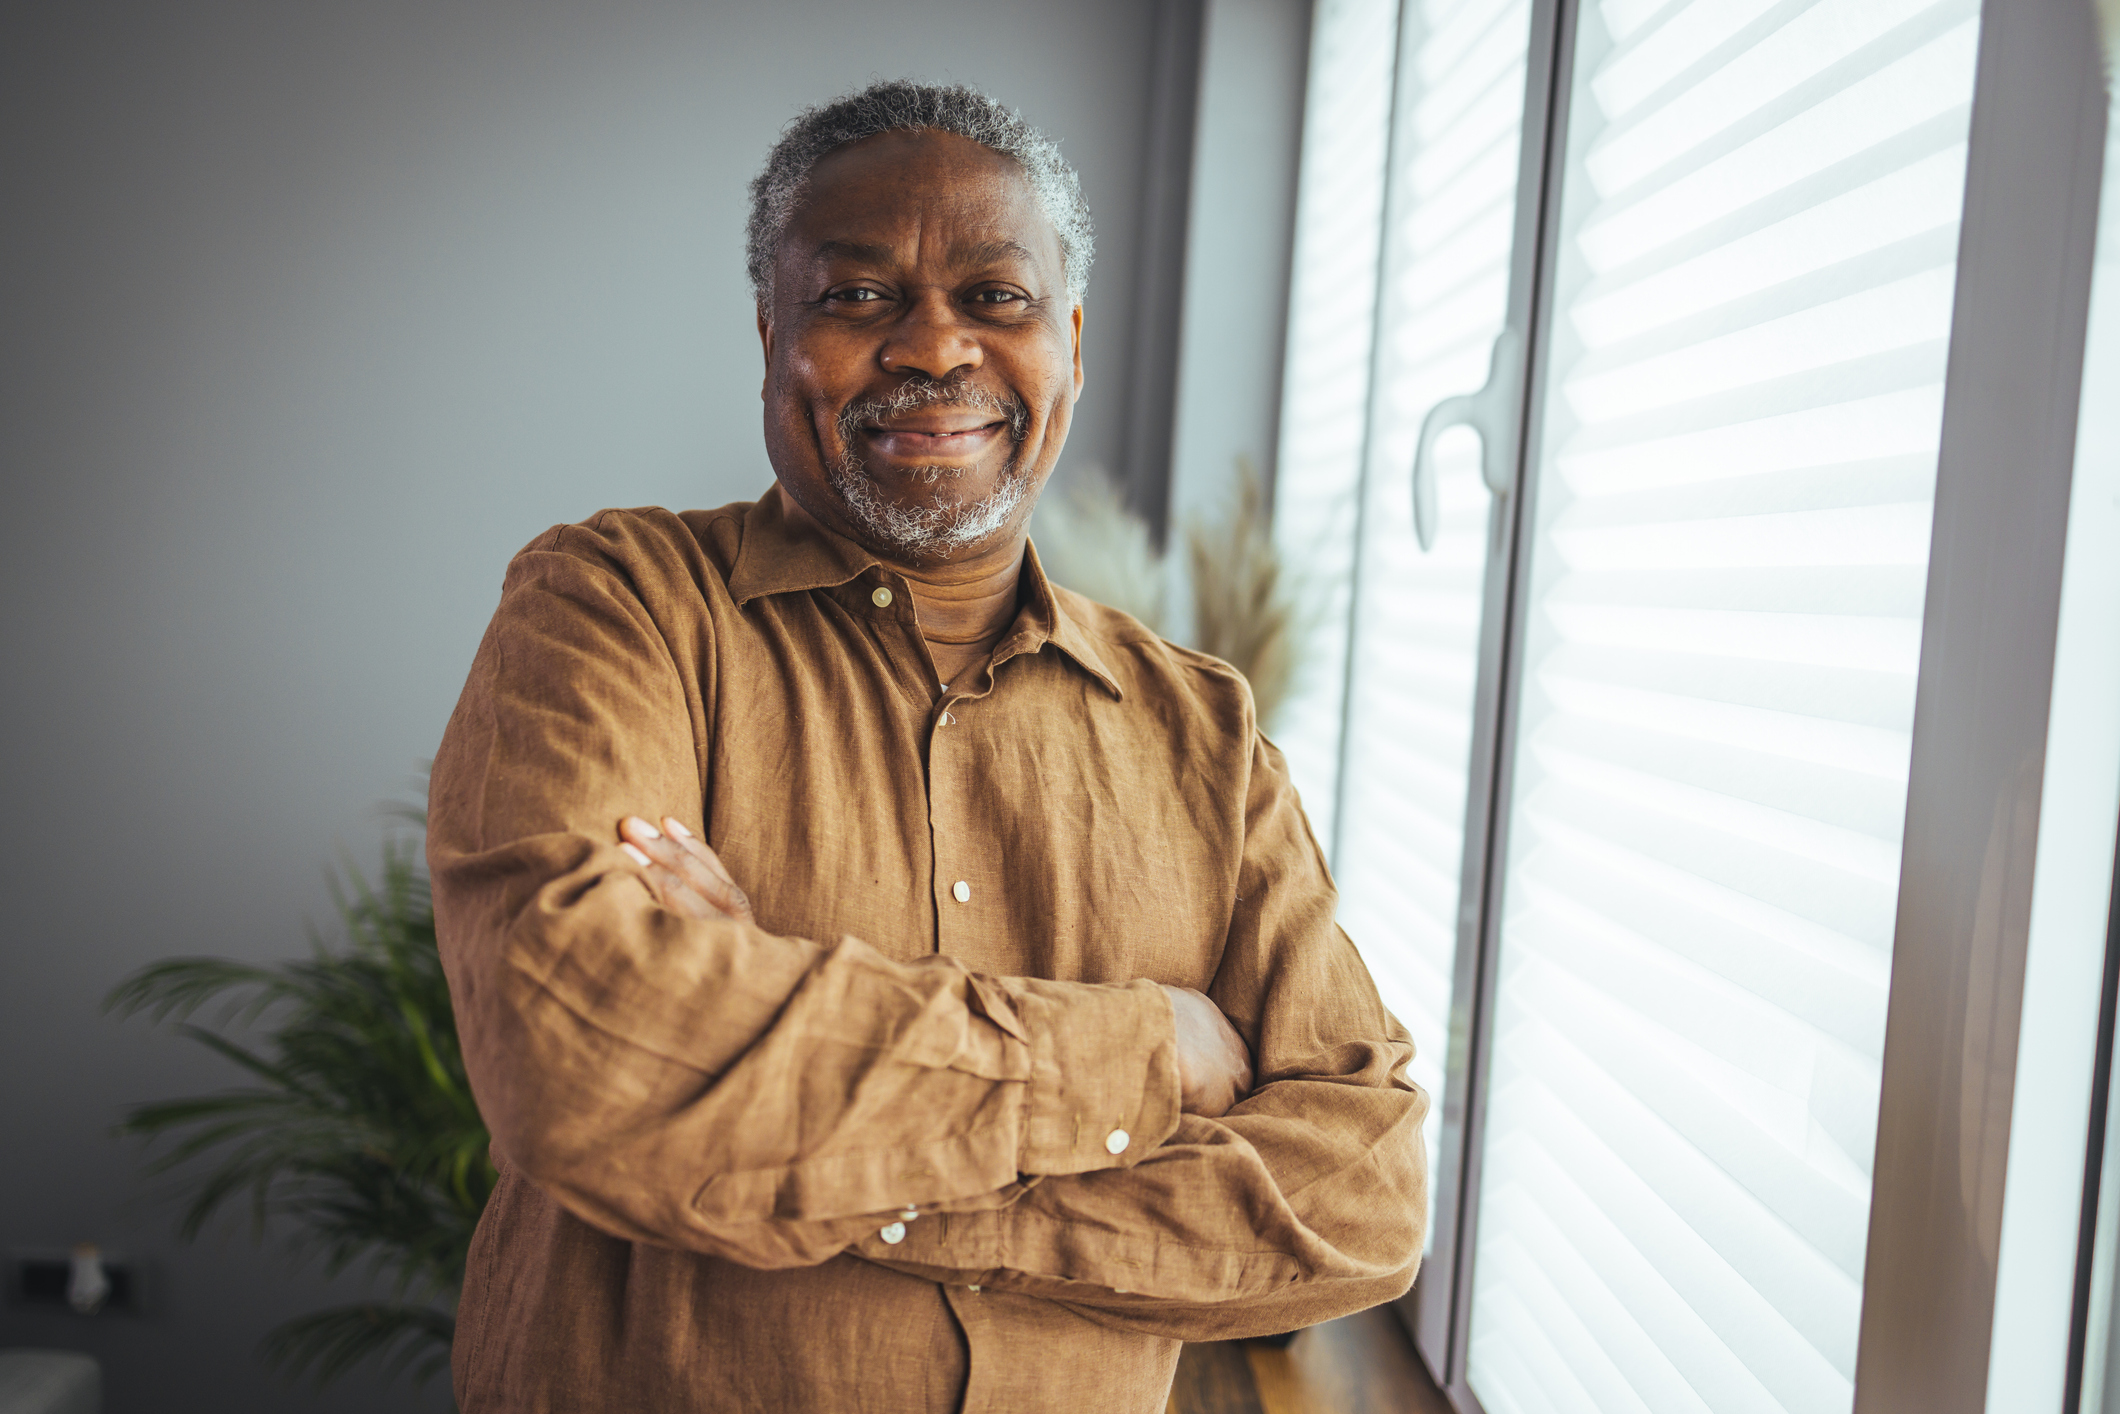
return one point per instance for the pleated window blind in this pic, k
(1727, 554)
(1394, 787)
(1325, 397)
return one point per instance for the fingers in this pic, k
(685, 876)
(1239, 1078)
(1214, 1064)
(1238, 1055)
(698, 849)
(668, 888)
(1229, 1085)
(719, 884)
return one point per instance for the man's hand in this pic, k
(1214, 1066)
(684, 875)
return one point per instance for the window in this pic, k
(1616, 770)
(1731, 500)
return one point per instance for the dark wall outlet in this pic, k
(40, 1279)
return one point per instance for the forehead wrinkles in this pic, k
(929, 241)
(918, 216)
(938, 242)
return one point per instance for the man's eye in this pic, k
(996, 297)
(856, 296)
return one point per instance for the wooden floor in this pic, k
(1361, 1365)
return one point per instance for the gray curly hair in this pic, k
(901, 106)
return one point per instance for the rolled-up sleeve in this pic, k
(709, 1084)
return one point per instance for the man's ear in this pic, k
(766, 344)
(1077, 334)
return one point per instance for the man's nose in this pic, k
(931, 337)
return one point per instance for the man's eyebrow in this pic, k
(983, 253)
(854, 250)
(988, 252)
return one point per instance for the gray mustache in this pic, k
(917, 393)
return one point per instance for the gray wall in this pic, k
(309, 316)
(1233, 314)
(1234, 319)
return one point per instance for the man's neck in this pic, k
(961, 603)
(965, 603)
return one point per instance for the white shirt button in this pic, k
(893, 1233)
(882, 598)
(1116, 1141)
(962, 892)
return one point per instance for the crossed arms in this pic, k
(675, 1074)
(688, 878)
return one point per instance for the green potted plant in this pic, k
(356, 1137)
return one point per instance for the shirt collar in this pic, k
(1051, 619)
(777, 557)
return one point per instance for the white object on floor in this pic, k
(49, 1382)
(89, 1284)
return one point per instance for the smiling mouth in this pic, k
(922, 440)
(936, 425)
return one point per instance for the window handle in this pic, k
(1492, 412)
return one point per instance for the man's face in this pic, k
(922, 357)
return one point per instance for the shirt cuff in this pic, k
(1103, 1091)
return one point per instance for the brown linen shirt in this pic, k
(912, 1141)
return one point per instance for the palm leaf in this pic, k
(179, 986)
(327, 1344)
(355, 1135)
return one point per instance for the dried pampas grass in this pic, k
(1089, 541)
(1245, 608)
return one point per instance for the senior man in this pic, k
(893, 981)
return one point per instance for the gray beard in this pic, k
(927, 532)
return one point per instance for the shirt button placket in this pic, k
(952, 893)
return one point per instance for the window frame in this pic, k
(1438, 1307)
(2004, 472)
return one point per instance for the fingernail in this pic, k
(642, 827)
(638, 857)
(677, 827)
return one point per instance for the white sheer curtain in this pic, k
(1752, 296)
